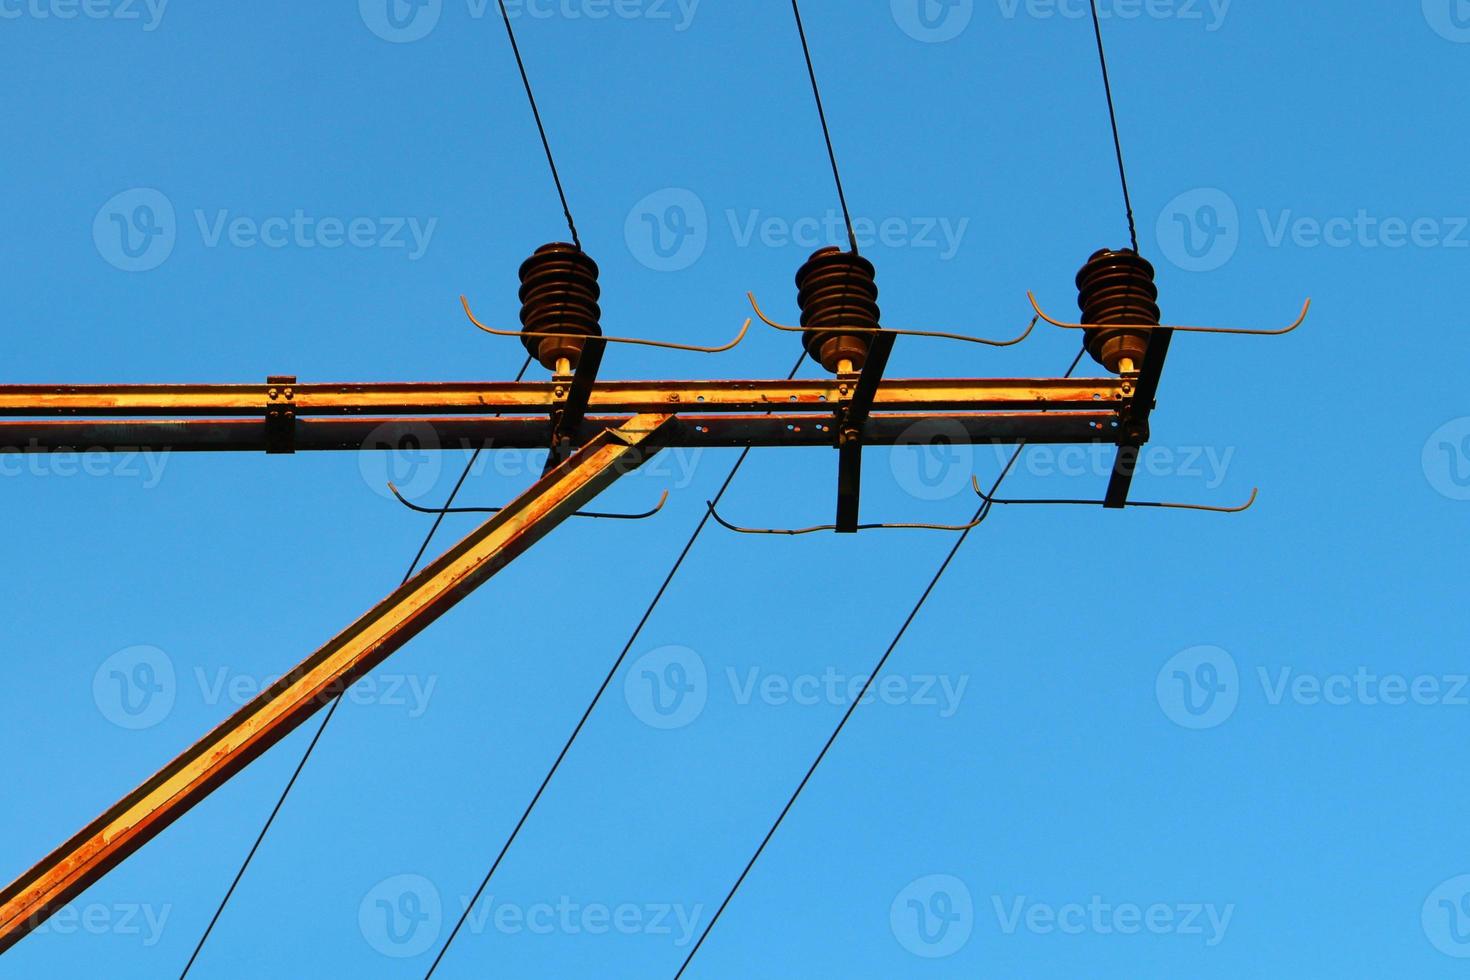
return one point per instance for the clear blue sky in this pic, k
(1051, 792)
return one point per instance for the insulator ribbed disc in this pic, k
(1117, 287)
(559, 294)
(837, 290)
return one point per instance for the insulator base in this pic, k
(1117, 287)
(559, 294)
(838, 291)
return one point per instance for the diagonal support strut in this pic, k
(144, 813)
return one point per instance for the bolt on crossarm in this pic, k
(141, 815)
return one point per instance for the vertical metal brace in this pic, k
(280, 414)
(1133, 430)
(852, 418)
(566, 418)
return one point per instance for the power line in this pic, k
(540, 127)
(1102, 58)
(327, 719)
(596, 698)
(982, 513)
(826, 130)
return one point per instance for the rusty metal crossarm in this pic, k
(457, 432)
(539, 398)
(141, 815)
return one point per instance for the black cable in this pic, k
(1102, 58)
(540, 127)
(826, 131)
(983, 512)
(596, 699)
(326, 720)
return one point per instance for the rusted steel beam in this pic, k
(168, 795)
(539, 398)
(369, 434)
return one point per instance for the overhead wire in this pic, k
(596, 699)
(1102, 58)
(980, 515)
(327, 718)
(826, 130)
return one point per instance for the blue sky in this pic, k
(1138, 744)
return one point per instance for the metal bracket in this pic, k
(573, 395)
(852, 419)
(1133, 429)
(280, 414)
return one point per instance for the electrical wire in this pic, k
(540, 127)
(980, 516)
(596, 698)
(327, 719)
(826, 130)
(1102, 58)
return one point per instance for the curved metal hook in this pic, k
(1306, 308)
(495, 510)
(992, 500)
(611, 340)
(902, 333)
(794, 532)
